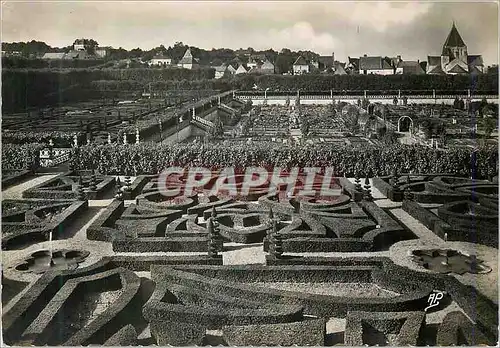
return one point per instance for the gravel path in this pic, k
(355, 290)
(416, 226)
(16, 192)
(244, 256)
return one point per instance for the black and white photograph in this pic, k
(249, 173)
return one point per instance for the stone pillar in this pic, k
(365, 93)
(331, 93)
(109, 138)
(75, 140)
(218, 99)
(125, 138)
(399, 94)
(137, 136)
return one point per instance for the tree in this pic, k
(136, 53)
(488, 124)
(351, 117)
(426, 127)
(304, 127)
(381, 129)
(283, 63)
(218, 129)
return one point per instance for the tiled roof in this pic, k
(410, 67)
(387, 63)
(339, 68)
(374, 63)
(326, 61)
(457, 69)
(435, 69)
(434, 60)
(476, 60)
(187, 58)
(53, 56)
(453, 40)
(354, 62)
(241, 69)
(161, 57)
(300, 61)
(267, 65)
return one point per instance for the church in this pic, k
(454, 59)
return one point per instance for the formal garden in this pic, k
(94, 252)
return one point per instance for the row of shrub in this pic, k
(150, 158)
(25, 156)
(59, 138)
(183, 84)
(368, 82)
(24, 63)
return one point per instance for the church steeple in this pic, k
(454, 46)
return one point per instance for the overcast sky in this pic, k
(411, 29)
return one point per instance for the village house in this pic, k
(253, 62)
(339, 68)
(69, 55)
(265, 67)
(454, 59)
(300, 66)
(224, 70)
(326, 62)
(187, 61)
(241, 70)
(220, 71)
(376, 65)
(410, 67)
(102, 52)
(352, 66)
(53, 55)
(81, 45)
(160, 60)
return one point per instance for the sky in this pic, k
(413, 29)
